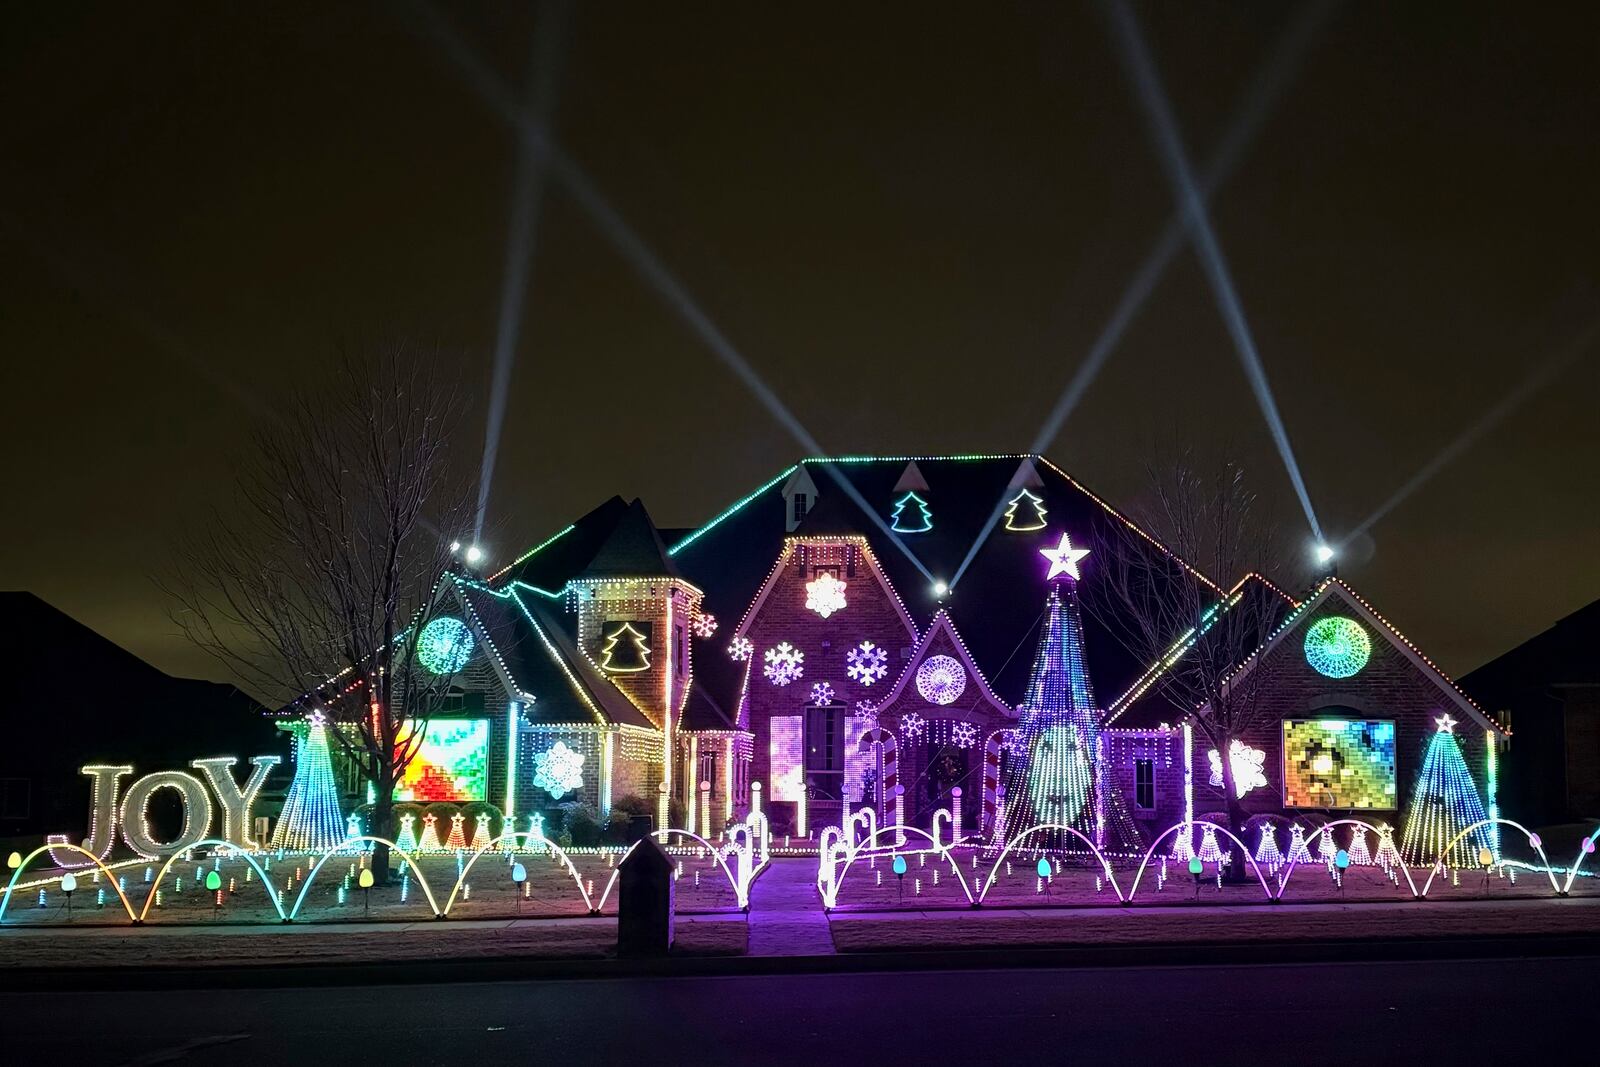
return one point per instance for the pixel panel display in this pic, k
(452, 762)
(1338, 763)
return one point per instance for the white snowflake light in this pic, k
(740, 648)
(867, 712)
(964, 734)
(941, 679)
(866, 663)
(825, 594)
(558, 770)
(1247, 767)
(821, 693)
(913, 725)
(704, 624)
(784, 664)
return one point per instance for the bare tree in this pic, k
(1157, 608)
(313, 588)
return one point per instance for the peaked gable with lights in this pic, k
(1349, 709)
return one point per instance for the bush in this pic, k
(633, 804)
(581, 823)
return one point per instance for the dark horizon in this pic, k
(913, 226)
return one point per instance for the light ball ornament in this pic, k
(445, 645)
(941, 680)
(1337, 647)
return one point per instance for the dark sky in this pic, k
(911, 219)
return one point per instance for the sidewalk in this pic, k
(786, 916)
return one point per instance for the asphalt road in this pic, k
(1366, 1013)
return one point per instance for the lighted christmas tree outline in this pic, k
(637, 645)
(310, 818)
(1062, 776)
(1038, 520)
(924, 515)
(1444, 802)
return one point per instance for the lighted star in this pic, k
(1064, 558)
(1446, 723)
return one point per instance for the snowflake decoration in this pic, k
(867, 663)
(1247, 767)
(704, 624)
(964, 734)
(913, 725)
(825, 594)
(941, 680)
(740, 648)
(558, 770)
(867, 714)
(784, 664)
(821, 693)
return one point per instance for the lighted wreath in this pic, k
(941, 679)
(445, 645)
(1337, 647)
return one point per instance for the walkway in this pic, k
(786, 916)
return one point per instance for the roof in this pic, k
(632, 549)
(1334, 587)
(1564, 654)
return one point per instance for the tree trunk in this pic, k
(1236, 871)
(382, 826)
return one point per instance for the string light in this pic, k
(1444, 803)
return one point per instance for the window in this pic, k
(825, 751)
(1144, 784)
(15, 794)
(801, 504)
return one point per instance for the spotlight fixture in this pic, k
(474, 555)
(1324, 554)
(940, 589)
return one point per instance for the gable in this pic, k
(1367, 666)
(942, 641)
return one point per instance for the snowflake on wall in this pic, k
(867, 712)
(825, 594)
(784, 664)
(704, 624)
(913, 725)
(964, 734)
(941, 680)
(1247, 767)
(867, 663)
(821, 693)
(740, 648)
(558, 770)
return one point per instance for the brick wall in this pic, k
(1389, 687)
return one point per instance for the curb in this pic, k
(504, 969)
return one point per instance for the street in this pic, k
(1371, 1012)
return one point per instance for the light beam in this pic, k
(527, 193)
(1542, 376)
(640, 256)
(1164, 128)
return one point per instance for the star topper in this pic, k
(1064, 559)
(1447, 725)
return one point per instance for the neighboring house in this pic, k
(83, 700)
(1547, 690)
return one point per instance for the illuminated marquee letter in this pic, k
(196, 813)
(102, 816)
(236, 802)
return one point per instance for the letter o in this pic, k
(196, 813)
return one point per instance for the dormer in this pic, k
(799, 497)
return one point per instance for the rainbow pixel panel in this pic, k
(1338, 763)
(452, 762)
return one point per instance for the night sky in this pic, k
(911, 219)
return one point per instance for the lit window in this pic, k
(1144, 784)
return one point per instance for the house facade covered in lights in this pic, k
(869, 631)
